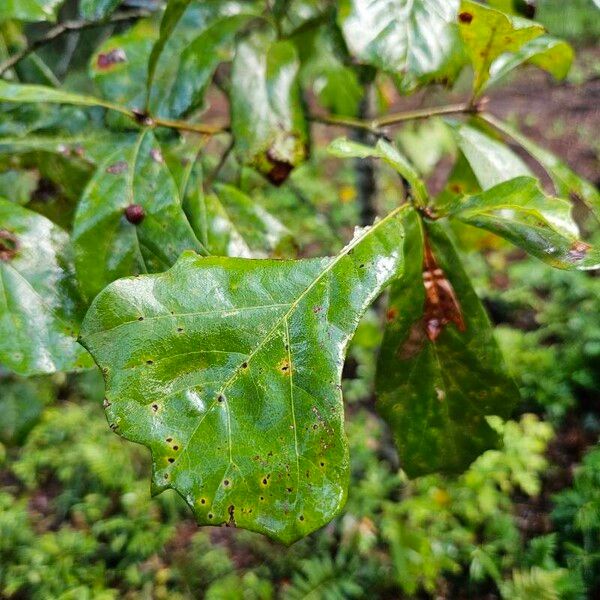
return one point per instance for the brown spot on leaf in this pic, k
(116, 168)
(108, 59)
(578, 251)
(135, 214)
(391, 314)
(413, 344)
(465, 17)
(284, 366)
(8, 245)
(280, 169)
(231, 511)
(157, 156)
(441, 304)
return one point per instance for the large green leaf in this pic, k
(521, 212)
(440, 371)
(268, 121)
(416, 40)
(169, 70)
(546, 52)
(229, 370)
(130, 218)
(95, 10)
(567, 182)
(40, 307)
(120, 65)
(488, 33)
(29, 10)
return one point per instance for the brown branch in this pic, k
(67, 27)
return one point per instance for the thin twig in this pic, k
(423, 113)
(191, 127)
(66, 27)
(215, 173)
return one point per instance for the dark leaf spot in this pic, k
(8, 245)
(155, 407)
(149, 362)
(111, 58)
(169, 439)
(175, 447)
(157, 156)
(391, 314)
(465, 17)
(135, 214)
(116, 168)
(226, 482)
(171, 459)
(280, 170)
(301, 517)
(202, 501)
(578, 251)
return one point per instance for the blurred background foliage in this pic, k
(76, 518)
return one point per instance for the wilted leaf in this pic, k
(440, 371)
(268, 122)
(130, 218)
(40, 306)
(229, 369)
(521, 212)
(415, 40)
(488, 33)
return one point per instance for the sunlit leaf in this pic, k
(521, 212)
(489, 33)
(440, 371)
(40, 306)
(130, 218)
(415, 40)
(268, 121)
(229, 369)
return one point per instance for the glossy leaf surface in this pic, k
(521, 212)
(40, 307)
(268, 122)
(488, 33)
(229, 370)
(435, 393)
(413, 39)
(108, 242)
